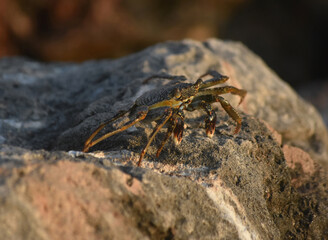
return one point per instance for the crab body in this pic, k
(167, 96)
(167, 104)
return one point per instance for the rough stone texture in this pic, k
(316, 93)
(267, 182)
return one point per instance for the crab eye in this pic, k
(198, 82)
(177, 93)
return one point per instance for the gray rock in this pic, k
(225, 187)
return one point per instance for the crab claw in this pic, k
(178, 131)
(242, 96)
(210, 122)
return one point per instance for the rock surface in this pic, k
(267, 182)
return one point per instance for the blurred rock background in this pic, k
(291, 36)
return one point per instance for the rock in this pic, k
(266, 182)
(316, 93)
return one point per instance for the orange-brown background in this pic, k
(290, 35)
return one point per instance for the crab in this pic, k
(167, 104)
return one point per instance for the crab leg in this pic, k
(204, 102)
(208, 99)
(160, 124)
(167, 136)
(139, 116)
(217, 79)
(178, 130)
(101, 126)
(231, 112)
(210, 119)
(176, 127)
(223, 90)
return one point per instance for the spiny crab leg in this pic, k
(231, 112)
(160, 124)
(89, 143)
(197, 103)
(204, 102)
(210, 120)
(178, 130)
(176, 126)
(167, 136)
